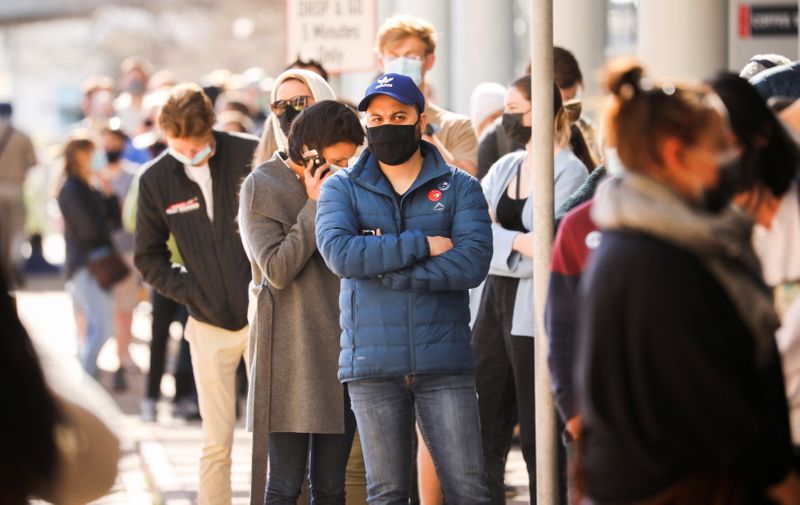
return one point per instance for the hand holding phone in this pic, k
(315, 175)
(318, 161)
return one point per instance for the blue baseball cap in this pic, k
(398, 86)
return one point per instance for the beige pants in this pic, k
(215, 356)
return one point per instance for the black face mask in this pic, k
(719, 197)
(114, 156)
(394, 144)
(287, 118)
(513, 127)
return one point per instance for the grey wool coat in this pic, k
(294, 334)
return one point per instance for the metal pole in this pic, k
(540, 155)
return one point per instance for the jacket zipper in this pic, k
(216, 248)
(411, 350)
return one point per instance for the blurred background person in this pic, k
(407, 45)
(780, 80)
(300, 410)
(90, 216)
(119, 173)
(486, 105)
(568, 77)
(761, 62)
(164, 311)
(502, 336)
(310, 65)
(234, 121)
(98, 102)
(17, 157)
(701, 346)
(54, 449)
(292, 92)
(129, 104)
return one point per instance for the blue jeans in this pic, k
(446, 409)
(97, 305)
(327, 460)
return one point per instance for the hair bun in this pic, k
(623, 78)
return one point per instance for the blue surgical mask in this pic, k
(411, 67)
(99, 160)
(195, 160)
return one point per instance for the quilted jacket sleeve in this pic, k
(467, 263)
(350, 255)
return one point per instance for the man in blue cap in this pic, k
(409, 235)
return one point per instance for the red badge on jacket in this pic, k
(434, 195)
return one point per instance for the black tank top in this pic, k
(509, 210)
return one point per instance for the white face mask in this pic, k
(195, 160)
(411, 67)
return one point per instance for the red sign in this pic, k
(744, 21)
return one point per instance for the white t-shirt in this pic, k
(202, 176)
(788, 338)
(778, 246)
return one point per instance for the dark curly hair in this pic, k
(322, 125)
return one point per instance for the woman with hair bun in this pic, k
(678, 377)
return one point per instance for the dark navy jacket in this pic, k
(403, 311)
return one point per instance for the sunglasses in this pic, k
(297, 103)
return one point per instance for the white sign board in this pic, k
(338, 33)
(759, 27)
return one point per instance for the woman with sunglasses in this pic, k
(293, 91)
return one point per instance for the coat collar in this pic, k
(367, 173)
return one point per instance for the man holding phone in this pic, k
(409, 235)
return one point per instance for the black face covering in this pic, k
(394, 144)
(114, 156)
(513, 127)
(286, 119)
(717, 198)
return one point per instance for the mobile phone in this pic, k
(311, 154)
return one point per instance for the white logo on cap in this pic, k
(384, 81)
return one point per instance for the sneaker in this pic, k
(119, 382)
(187, 409)
(147, 410)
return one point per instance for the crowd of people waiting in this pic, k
(372, 265)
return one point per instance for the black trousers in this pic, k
(165, 311)
(504, 380)
(505, 383)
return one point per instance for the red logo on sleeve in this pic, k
(434, 195)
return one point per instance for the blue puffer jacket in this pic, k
(403, 311)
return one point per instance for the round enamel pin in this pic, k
(434, 195)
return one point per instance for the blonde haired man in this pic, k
(407, 45)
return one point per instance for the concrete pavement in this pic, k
(160, 460)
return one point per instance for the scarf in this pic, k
(721, 241)
(320, 90)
